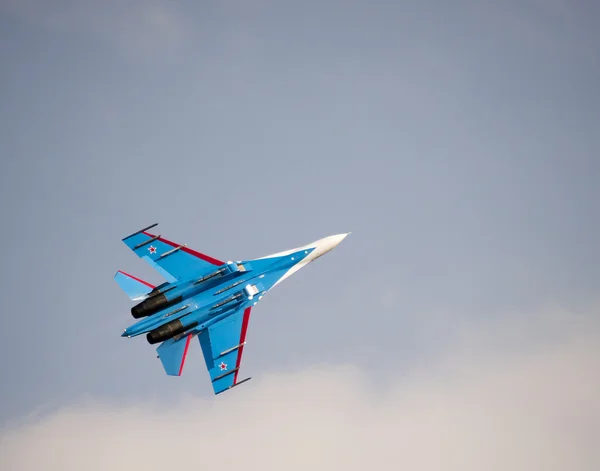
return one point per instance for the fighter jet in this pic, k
(206, 298)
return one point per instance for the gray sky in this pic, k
(459, 143)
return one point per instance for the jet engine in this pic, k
(153, 304)
(165, 332)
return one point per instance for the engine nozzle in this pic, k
(152, 305)
(167, 331)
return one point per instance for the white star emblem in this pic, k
(223, 366)
(152, 249)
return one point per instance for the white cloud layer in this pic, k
(521, 396)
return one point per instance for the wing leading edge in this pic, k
(222, 346)
(174, 261)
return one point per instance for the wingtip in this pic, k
(140, 231)
(233, 386)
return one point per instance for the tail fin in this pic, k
(135, 288)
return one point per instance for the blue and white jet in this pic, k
(205, 297)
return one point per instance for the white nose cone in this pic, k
(322, 246)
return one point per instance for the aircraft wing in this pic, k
(222, 345)
(174, 261)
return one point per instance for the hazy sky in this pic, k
(456, 328)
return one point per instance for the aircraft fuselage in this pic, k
(208, 299)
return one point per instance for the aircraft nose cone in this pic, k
(339, 237)
(334, 240)
(327, 243)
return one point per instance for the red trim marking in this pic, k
(187, 344)
(137, 279)
(242, 340)
(201, 256)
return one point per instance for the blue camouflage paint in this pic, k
(134, 288)
(211, 299)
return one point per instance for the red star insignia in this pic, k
(152, 249)
(223, 366)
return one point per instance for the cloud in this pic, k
(523, 400)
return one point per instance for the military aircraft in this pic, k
(206, 298)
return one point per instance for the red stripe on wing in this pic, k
(185, 350)
(137, 279)
(206, 258)
(242, 340)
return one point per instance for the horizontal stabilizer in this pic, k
(135, 288)
(172, 354)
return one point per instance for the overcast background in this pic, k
(456, 328)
